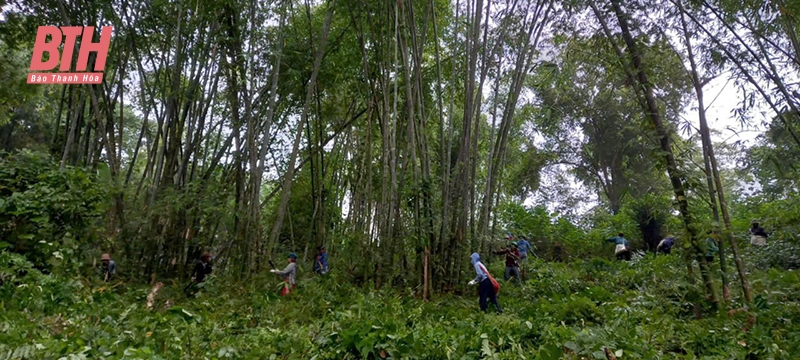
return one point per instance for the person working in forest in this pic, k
(665, 245)
(202, 269)
(711, 246)
(108, 268)
(758, 236)
(321, 263)
(622, 249)
(524, 249)
(289, 274)
(486, 287)
(512, 262)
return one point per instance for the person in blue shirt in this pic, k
(485, 286)
(321, 263)
(622, 249)
(524, 248)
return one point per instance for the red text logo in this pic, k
(68, 35)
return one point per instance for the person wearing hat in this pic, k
(665, 245)
(108, 267)
(201, 270)
(289, 275)
(512, 262)
(321, 264)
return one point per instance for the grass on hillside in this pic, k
(637, 310)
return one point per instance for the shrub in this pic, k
(45, 212)
(776, 254)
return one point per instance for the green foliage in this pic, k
(26, 111)
(572, 312)
(591, 119)
(47, 213)
(773, 162)
(781, 218)
(180, 201)
(15, 93)
(777, 254)
(546, 231)
(640, 218)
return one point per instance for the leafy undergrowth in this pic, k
(564, 311)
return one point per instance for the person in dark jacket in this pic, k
(321, 263)
(524, 248)
(485, 286)
(201, 270)
(512, 262)
(758, 236)
(665, 246)
(622, 249)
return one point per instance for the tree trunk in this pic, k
(289, 176)
(707, 148)
(672, 167)
(718, 181)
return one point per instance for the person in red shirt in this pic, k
(512, 262)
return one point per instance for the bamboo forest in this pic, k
(400, 179)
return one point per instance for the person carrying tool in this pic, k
(524, 248)
(289, 274)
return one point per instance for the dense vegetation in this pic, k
(637, 310)
(403, 136)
